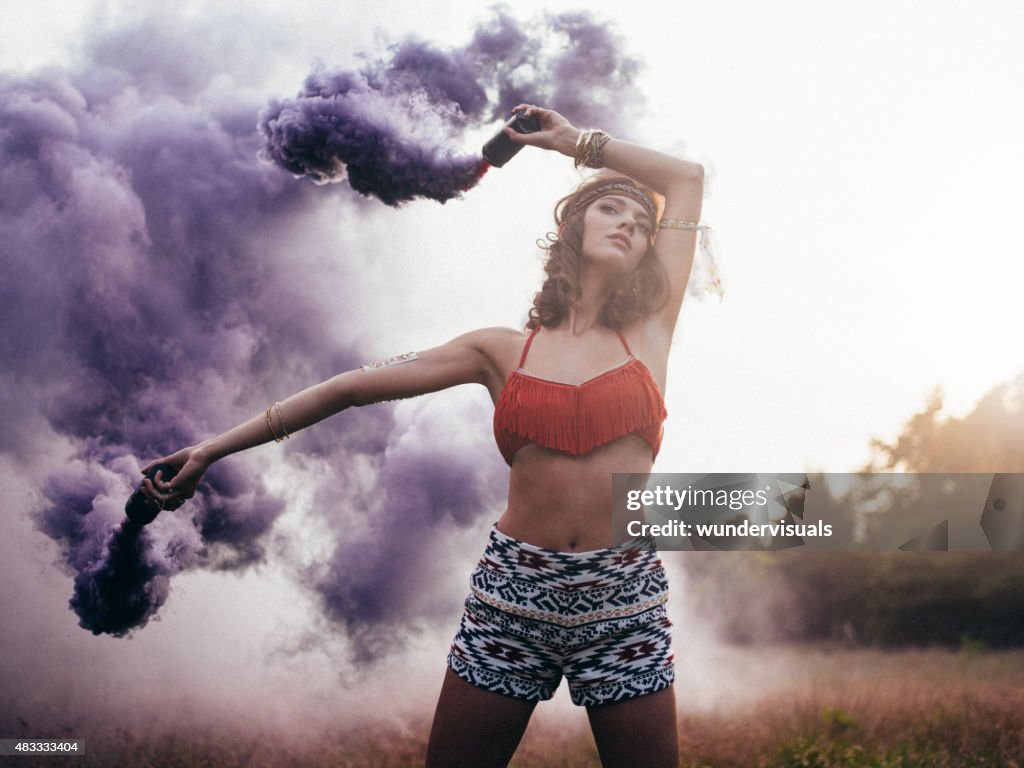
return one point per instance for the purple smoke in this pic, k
(161, 283)
(391, 127)
(121, 571)
(137, 303)
(390, 146)
(436, 480)
(122, 589)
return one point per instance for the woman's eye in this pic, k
(608, 208)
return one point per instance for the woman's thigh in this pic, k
(475, 728)
(640, 731)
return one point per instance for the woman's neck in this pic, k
(594, 294)
(578, 323)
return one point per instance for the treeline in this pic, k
(885, 598)
(861, 598)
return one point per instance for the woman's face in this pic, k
(616, 232)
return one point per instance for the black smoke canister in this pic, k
(140, 508)
(500, 149)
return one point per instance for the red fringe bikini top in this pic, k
(577, 418)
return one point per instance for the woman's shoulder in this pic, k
(500, 348)
(495, 336)
(496, 343)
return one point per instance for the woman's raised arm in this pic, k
(680, 182)
(467, 359)
(682, 185)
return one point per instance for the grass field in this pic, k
(812, 708)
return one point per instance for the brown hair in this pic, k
(640, 292)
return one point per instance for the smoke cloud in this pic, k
(157, 290)
(390, 128)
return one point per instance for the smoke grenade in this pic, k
(500, 149)
(140, 508)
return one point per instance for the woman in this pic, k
(577, 398)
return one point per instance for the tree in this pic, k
(887, 598)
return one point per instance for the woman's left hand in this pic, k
(171, 493)
(555, 132)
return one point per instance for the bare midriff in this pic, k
(564, 502)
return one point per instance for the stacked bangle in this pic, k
(270, 423)
(590, 149)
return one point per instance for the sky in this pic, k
(862, 165)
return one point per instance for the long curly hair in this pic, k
(639, 293)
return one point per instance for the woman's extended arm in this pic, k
(464, 360)
(681, 183)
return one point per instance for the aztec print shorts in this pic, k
(537, 614)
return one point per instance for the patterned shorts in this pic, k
(536, 614)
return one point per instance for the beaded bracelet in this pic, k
(280, 417)
(270, 423)
(270, 426)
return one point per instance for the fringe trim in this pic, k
(576, 419)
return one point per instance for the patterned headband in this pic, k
(617, 188)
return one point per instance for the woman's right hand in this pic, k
(556, 132)
(173, 492)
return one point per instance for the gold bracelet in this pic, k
(280, 417)
(580, 151)
(595, 158)
(589, 149)
(269, 425)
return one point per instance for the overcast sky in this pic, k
(864, 163)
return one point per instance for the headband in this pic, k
(617, 188)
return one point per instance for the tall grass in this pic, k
(910, 709)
